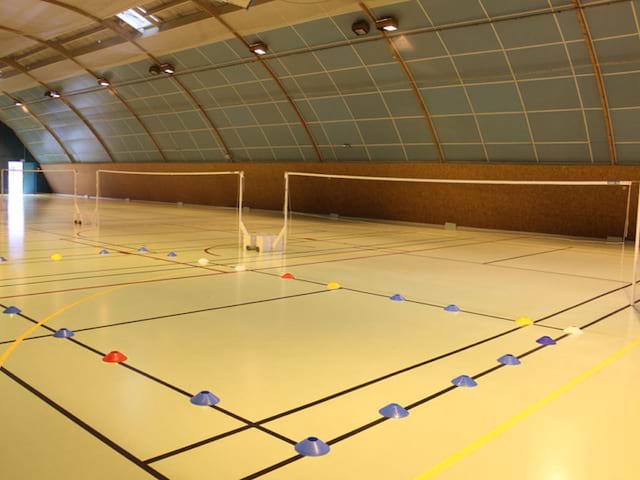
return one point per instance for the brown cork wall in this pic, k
(580, 211)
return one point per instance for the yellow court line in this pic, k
(527, 412)
(16, 343)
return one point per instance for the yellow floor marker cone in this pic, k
(333, 285)
(524, 322)
(56, 257)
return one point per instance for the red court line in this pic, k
(114, 285)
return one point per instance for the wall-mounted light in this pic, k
(103, 82)
(361, 28)
(259, 48)
(52, 94)
(388, 24)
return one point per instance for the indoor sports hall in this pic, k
(319, 239)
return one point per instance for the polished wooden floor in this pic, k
(291, 359)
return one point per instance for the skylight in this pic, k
(134, 18)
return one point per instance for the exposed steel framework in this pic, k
(212, 11)
(39, 120)
(606, 114)
(70, 106)
(131, 38)
(64, 52)
(395, 53)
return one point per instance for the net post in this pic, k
(95, 212)
(282, 235)
(626, 218)
(242, 229)
(78, 213)
(286, 209)
(636, 252)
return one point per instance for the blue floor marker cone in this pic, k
(312, 447)
(64, 333)
(464, 381)
(397, 298)
(172, 254)
(11, 310)
(103, 252)
(546, 340)
(509, 359)
(205, 399)
(393, 410)
(143, 250)
(452, 308)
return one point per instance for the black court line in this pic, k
(420, 402)
(86, 427)
(172, 315)
(417, 302)
(528, 255)
(584, 302)
(390, 375)
(331, 251)
(91, 277)
(388, 253)
(77, 272)
(93, 287)
(177, 451)
(151, 256)
(523, 269)
(168, 385)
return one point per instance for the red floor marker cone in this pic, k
(114, 357)
(288, 276)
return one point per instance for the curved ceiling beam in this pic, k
(212, 11)
(64, 52)
(39, 120)
(606, 114)
(412, 82)
(132, 39)
(15, 65)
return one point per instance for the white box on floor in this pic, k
(262, 242)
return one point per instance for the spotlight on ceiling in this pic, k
(17, 102)
(361, 28)
(259, 48)
(52, 94)
(167, 68)
(388, 24)
(241, 3)
(103, 82)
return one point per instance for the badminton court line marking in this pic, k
(423, 401)
(122, 285)
(85, 426)
(524, 414)
(128, 366)
(393, 374)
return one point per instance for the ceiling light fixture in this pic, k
(103, 82)
(259, 48)
(17, 102)
(167, 68)
(388, 24)
(361, 28)
(52, 94)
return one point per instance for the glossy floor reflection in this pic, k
(290, 358)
